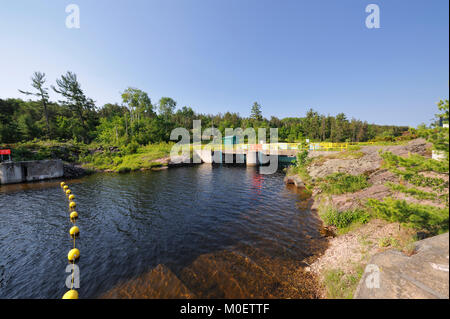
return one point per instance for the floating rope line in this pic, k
(74, 232)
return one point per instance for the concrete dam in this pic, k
(29, 171)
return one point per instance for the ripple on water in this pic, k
(223, 232)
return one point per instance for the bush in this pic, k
(423, 217)
(131, 148)
(340, 183)
(342, 219)
(302, 158)
(414, 163)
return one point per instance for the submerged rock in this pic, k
(73, 171)
(295, 180)
(159, 283)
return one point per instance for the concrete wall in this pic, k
(18, 172)
(252, 158)
(205, 155)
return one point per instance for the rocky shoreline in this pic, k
(348, 253)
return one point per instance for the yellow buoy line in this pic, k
(74, 232)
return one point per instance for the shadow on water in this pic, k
(205, 231)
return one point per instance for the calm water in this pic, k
(186, 232)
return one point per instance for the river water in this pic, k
(221, 232)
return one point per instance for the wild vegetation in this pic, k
(421, 217)
(343, 219)
(139, 119)
(340, 183)
(132, 158)
(377, 200)
(341, 285)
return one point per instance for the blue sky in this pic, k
(222, 55)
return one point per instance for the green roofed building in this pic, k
(231, 140)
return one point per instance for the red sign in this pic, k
(5, 152)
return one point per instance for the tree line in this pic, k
(139, 120)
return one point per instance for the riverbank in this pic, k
(371, 199)
(81, 159)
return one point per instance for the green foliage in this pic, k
(350, 154)
(341, 285)
(443, 106)
(38, 82)
(81, 107)
(256, 113)
(440, 138)
(130, 158)
(438, 184)
(47, 149)
(340, 183)
(300, 168)
(424, 217)
(167, 107)
(417, 193)
(342, 219)
(414, 163)
(302, 158)
(388, 241)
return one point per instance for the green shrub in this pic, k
(417, 193)
(131, 148)
(340, 183)
(388, 241)
(423, 217)
(301, 159)
(342, 219)
(414, 163)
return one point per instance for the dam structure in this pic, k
(29, 171)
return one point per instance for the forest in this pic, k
(139, 120)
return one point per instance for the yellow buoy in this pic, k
(71, 294)
(73, 254)
(65, 187)
(62, 184)
(74, 231)
(73, 216)
(71, 197)
(72, 204)
(68, 192)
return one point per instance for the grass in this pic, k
(388, 241)
(350, 154)
(346, 155)
(302, 172)
(341, 183)
(422, 217)
(130, 157)
(417, 193)
(143, 158)
(341, 285)
(46, 149)
(300, 168)
(343, 219)
(414, 163)
(354, 147)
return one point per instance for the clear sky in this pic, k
(222, 55)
